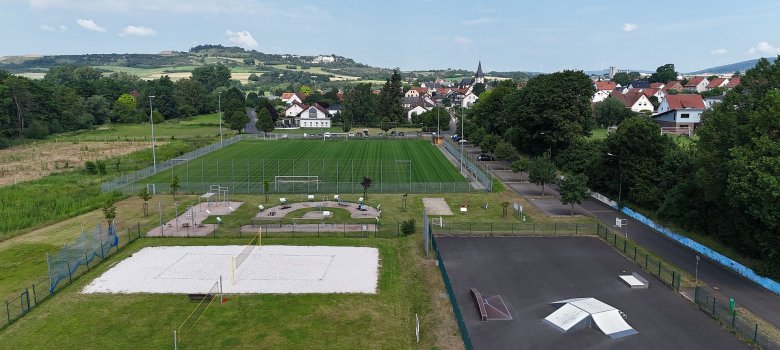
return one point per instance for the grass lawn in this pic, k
(195, 127)
(312, 321)
(332, 160)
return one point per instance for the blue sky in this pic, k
(421, 34)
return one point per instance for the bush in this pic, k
(90, 167)
(407, 227)
(101, 167)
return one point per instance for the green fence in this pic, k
(641, 257)
(279, 229)
(513, 229)
(464, 333)
(39, 291)
(725, 312)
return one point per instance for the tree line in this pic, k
(723, 186)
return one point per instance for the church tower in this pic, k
(479, 78)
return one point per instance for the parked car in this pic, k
(401, 133)
(392, 133)
(327, 135)
(352, 134)
(486, 157)
(284, 136)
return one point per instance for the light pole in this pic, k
(151, 120)
(219, 106)
(697, 269)
(159, 208)
(438, 132)
(461, 138)
(620, 181)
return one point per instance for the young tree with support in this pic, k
(109, 212)
(146, 196)
(366, 183)
(175, 186)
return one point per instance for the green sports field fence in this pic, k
(464, 332)
(68, 267)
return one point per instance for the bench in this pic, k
(480, 304)
(198, 297)
(185, 224)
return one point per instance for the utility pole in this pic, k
(219, 101)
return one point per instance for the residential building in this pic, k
(314, 116)
(639, 84)
(716, 83)
(712, 100)
(633, 99)
(469, 99)
(680, 111)
(292, 97)
(674, 85)
(733, 82)
(603, 89)
(698, 84)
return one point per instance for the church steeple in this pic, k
(479, 78)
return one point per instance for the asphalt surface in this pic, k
(531, 272)
(746, 293)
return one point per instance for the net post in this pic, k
(175, 343)
(221, 295)
(233, 268)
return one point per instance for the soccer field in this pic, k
(244, 166)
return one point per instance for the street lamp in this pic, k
(151, 120)
(549, 149)
(620, 183)
(219, 106)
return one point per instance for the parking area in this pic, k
(531, 272)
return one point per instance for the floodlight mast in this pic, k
(219, 106)
(151, 120)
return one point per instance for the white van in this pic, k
(327, 135)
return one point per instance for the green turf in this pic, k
(383, 161)
(196, 127)
(72, 320)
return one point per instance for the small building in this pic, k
(314, 116)
(698, 84)
(292, 97)
(469, 100)
(603, 89)
(633, 99)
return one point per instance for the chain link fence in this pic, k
(470, 165)
(42, 289)
(464, 333)
(726, 313)
(512, 229)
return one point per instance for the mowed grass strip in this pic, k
(333, 160)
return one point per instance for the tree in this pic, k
(145, 196)
(99, 107)
(191, 97)
(266, 189)
(541, 171)
(621, 78)
(360, 104)
(366, 183)
(505, 150)
(573, 190)
(390, 99)
(175, 186)
(212, 76)
(520, 166)
(264, 121)
(109, 212)
(489, 142)
(504, 208)
(233, 105)
(384, 124)
(611, 112)
(126, 109)
(304, 90)
(478, 89)
(664, 74)
(164, 101)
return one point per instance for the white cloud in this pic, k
(89, 24)
(461, 40)
(630, 27)
(764, 48)
(479, 21)
(719, 52)
(48, 28)
(243, 39)
(138, 31)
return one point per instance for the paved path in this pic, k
(746, 293)
(189, 223)
(275, 213)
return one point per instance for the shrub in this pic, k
(407, 227)
(90, 167)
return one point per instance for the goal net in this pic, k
(290, 179)
(683, 131)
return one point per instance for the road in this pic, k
(746, 293)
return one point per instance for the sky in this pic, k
(410, 34)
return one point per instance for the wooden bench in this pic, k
(480, 304)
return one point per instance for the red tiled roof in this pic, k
(694, 81)
(421, 90)
(629, 98)
(287, 95)
(716, 83)
(657, 85)
(684, 101)
(673, 85)
(605, 85)
(733, 82)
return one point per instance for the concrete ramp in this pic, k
(612, 324)
(581, 312)
(567, 317)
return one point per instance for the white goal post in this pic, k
(285, 179)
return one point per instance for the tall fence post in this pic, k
(8, 312)
(755, 334)
(714, 300)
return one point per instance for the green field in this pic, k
(206, 125)
(252, 162)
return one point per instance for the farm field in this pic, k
(332, 161)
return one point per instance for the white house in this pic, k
(417, 110)
(599, 96)
(314, 117)
(412, 93)
(634, 99)
(680, 111)
(712, 100)
(699, 84)
(468, 100)
(294, 109)
(291, 97)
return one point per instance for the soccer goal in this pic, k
(683, 131)
(290, 179)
